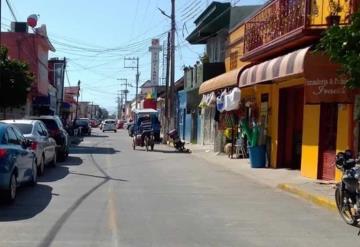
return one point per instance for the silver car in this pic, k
(42, 144)
(109, 125)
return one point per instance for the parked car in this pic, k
(42, 144)
(109, 125)
(56, 130)
(84, 124)
(120, 124)
(17, 161)
(94, 123)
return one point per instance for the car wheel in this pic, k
(54, 160)
(33, 181)
(41, 166)
(11, 192)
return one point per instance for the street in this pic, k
(106, 194)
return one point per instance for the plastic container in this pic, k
(257, 156)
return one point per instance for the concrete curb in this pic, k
(316, 199)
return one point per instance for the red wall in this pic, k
(33, 50)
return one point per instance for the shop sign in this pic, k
(326, 90)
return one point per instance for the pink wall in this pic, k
(33, 50)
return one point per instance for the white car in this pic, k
(42, 144)
(109, 125)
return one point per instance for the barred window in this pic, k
(233, 60)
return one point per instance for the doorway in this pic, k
(291, 109)
(327, 141)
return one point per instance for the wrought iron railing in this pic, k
(275, 20)
(282, 17)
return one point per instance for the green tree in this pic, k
(15, 81)
(342, 45)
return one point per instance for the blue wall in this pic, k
(188, 120)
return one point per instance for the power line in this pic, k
(11, 10)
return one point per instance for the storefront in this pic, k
(212, 128)
(308, 110)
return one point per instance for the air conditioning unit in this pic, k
(19, 27)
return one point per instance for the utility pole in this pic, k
(0, 23)
(137, 75)
(172, 70)
(91, 109)
(167, 86)
(126, 84)
(77, 101)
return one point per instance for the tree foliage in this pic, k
(342, 45)
(15, 81)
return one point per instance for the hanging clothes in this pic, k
(220, 102)
(232, 100)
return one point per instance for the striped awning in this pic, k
(228, 79)
(288, 65)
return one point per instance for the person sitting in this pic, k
(145, 124)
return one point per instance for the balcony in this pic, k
(282, 25)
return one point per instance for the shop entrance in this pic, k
(327, 141)
(291, 109)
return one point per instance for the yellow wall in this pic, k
(343, 132)
(310, 141)
(320, 10)
(234, 36)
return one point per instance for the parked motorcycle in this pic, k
(178, 144)
(347, 193)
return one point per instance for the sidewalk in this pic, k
(315, 191)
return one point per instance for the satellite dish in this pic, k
(32, 20)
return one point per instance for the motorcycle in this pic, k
(145, 139)
(347, 193)
(178, 144)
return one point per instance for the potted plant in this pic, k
(335, 8)
(257, 150)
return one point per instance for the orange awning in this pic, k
(228, 79)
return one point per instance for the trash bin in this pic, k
(257, 156)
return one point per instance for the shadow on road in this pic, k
(72, 161)
(92, 150)
(95, 136)
(54, 174)
(97, 176)
(29, 202)
(166, 151)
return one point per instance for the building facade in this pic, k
(291, 91)
(33, 49)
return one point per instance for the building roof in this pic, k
(214, 18)
(240, 13)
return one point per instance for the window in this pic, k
(50, 124)
(5, 139)
(19, 136)
(43, 128)
(24, 128)
(12, 139)
(233, 60)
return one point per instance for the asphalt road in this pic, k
(106, 194)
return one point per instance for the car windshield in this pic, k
(110, 122)
(24, 128)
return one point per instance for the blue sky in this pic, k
(81, 30)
